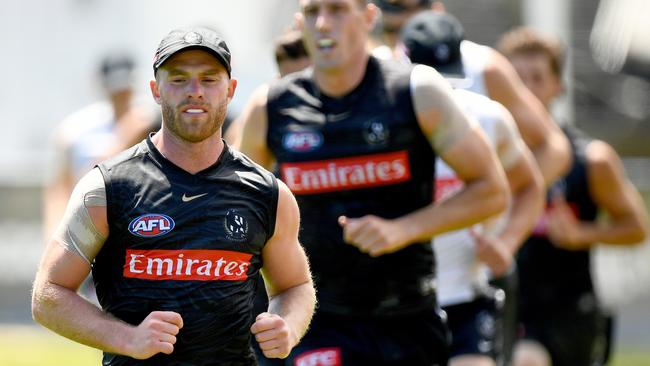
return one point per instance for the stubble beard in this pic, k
(173, 122)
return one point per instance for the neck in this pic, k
(341, 80)
(192, 157)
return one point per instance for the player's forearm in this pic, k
(68, 314)
(625, 231)
(527, 205)
(477, 201)
(553, 157)
(296, 306)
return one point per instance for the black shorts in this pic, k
(574, 335)
(476, 327)
(419, 339)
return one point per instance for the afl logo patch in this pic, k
(151, 225)
(235, 225)
(302, 141)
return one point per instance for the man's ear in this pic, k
(153, 85)
(231, 89)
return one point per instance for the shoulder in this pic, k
(477, 103)
(602, 157)
(125, 156)
(289, 83)
(249, 171)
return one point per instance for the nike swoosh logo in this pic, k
(189, 198)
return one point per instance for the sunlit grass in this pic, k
(35, 346)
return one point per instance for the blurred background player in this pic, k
(474, 308)
(96, 132)
(290, 56)
(290, 53)
(562, 321)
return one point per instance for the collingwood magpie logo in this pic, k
(235, 225)
(376, 132)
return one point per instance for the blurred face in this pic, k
(335, 31)
(392, 20)
(536, 72)
(193, 90)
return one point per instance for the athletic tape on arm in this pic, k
(76, 232)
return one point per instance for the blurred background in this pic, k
(51, 49)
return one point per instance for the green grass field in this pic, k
(34, 346)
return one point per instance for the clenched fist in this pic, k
(156, 334)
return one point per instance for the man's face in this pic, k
(393, 20)
(193, 90)
(335, 31)
(535, 71)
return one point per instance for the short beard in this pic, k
(170, 121)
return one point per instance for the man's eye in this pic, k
(336, 9)
(310, 11)
(177, 80)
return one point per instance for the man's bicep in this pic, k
(608, 183)
(504, 85)
(510, 146)
(285, 261)
(439, 115)
(470, 156)
(61, 266)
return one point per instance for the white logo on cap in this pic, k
(442, 52)
(193, 38)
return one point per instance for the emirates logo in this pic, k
(346, 173)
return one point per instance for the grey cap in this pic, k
(182, 39)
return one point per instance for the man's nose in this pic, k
(194, 88)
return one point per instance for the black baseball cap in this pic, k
(182, 39)
(398, 6)
(433, 38)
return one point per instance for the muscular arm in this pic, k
(526, 185)
(626, 221)
(66, 262)
(254, 123)
(547, 142)
(463, 146)
(527, 191)
(289, 284)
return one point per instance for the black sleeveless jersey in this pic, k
(550, 275)
(360, 154)
(188, 243)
